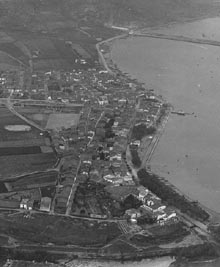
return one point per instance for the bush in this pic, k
(141, 131)
(195, 252)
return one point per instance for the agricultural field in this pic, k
(15, 52)
(23, 148)
(31, 181)
(43, 45)
(50, 119)
(7, 151)
(40, 142)
(46, 34)
(58, 121)
(43, 228)
(39, 118)
(5, 38)
(50, 50)
(8, 63)
(51, 53)
(46, 27)
(11, 54)
(48, 64)
(7, 118)
(17, 165)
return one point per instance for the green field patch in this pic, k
(6, 151)
(14, 51)
(8, 63)
(16, 165)
(43, 228)
(7, 118)
(62, 120)
(30, 181)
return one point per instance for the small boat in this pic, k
(179, 112)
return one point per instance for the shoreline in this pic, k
(109, 43)
(184, 21)
(155, 252)
(214, 215)
(107, 57)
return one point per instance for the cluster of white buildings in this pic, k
(152, 206)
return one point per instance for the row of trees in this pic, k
(136, 161)
(171, 196)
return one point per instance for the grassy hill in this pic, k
(45, 26)
(39, 14)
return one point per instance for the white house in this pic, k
(26, 204)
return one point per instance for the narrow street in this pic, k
(73, 190)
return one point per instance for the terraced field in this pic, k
(22, 147)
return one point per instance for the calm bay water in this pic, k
(188, 76)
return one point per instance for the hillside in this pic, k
(36, 32)
(37, 14)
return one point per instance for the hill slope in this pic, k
(39, 13)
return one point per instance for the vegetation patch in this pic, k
(136, 161)
(171, 196)
(141, 130)
(6, 151)
(62, 120)
(161, 235)
(43, 228)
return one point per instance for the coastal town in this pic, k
(93, 134)
(75, 150)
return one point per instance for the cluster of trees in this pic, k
(215, 229)
(173, 233)
(54, 86)
(196, 252)
(109, 123)
(162, 114)
(171, 196)
(118, 209)
(104, 130)
(131, 202)
(135, 158)
(108, 128)
(141, 131)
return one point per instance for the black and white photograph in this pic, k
(109, 133)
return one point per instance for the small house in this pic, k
(26, 204)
